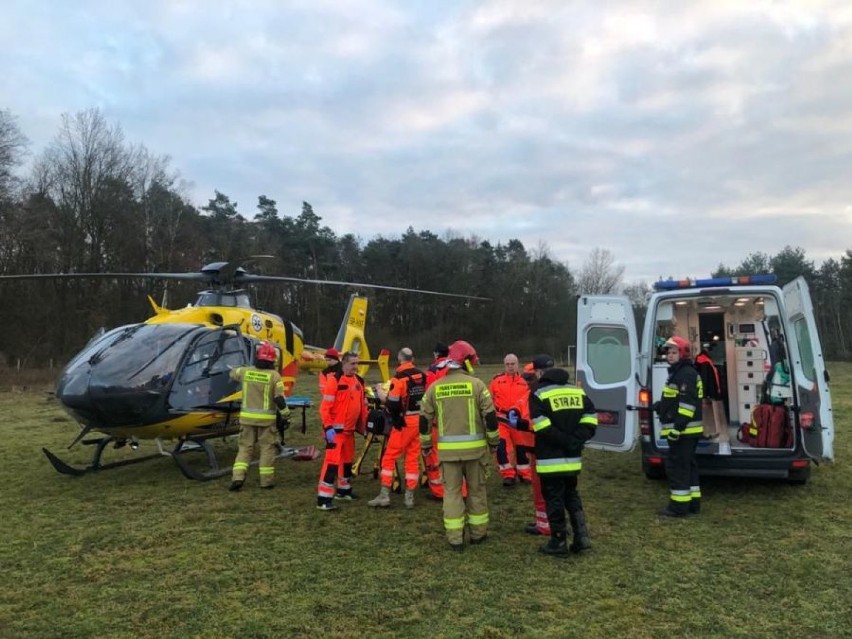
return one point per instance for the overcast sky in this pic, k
(676, 134)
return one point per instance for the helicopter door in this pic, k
(204, 380)
(811, 377)
(607, 349)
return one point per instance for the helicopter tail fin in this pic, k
(350, 336)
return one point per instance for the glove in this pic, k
(426, 451)
(398, 422)
(330, 435)
(513, 416)
(674, 435)
(656, 407)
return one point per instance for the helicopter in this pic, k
(166, 379)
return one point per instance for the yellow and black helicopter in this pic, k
(166, 379)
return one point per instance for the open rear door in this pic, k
(607, 349)
(812, 391)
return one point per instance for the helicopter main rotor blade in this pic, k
(249, 279)
(199, 277)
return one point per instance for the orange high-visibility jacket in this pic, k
(406, 390)
(512, 391)
(344, 403)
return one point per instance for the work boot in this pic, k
(581, 533)
(478, 540)
(382, 500)
(556, 546)
(532, 529)
(325, 503)
(668, 511)
(236, 485)
(268, 487)
(345, 495)
(508, 482)
(409, 499)
(457, 547)
(695, 506)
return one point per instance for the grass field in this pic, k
(142, 552)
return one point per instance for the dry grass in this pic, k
(142, 552)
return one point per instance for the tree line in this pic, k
(95, 203)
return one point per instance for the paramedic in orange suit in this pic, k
(541, 525)
(343, 411)
(510, 391)
(403, 405)
(437, 369)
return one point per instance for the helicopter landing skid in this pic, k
(95, 464)
(215, 470)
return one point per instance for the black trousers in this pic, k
(560, 494)
(682, 471)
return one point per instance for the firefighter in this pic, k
(343, 411)
(332, 359)
(466, 424)
(263, 403)
(407, 387)
(509, 391)
(679, 410)
(563, 419)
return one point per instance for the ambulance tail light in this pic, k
(644, 406)
(798, 464)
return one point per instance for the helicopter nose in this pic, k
(104, 404)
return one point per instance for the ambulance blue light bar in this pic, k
(713, 282)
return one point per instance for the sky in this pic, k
(675, 135)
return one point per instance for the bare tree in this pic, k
(599, 274)
(13, 145)
(87, 171)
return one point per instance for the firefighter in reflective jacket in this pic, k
(262, 399)
(510, 391)
(679, 410)
(343, 411)
(466, 426)
(407, 387)
(564, 419)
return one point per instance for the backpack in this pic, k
(769, 428)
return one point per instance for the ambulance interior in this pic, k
(744, 339)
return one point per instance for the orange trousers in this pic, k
(337, 465)
(403, 441)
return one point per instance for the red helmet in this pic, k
(461, 352)
(682, 346)
(266, 352)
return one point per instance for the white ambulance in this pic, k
(752, 331)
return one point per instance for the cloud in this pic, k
(677, 137)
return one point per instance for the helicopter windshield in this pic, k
(143, 356)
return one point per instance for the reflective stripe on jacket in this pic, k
(680, 404)
(563, 419)
(458, 403)
(260, 388)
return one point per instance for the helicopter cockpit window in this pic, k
(215, 352)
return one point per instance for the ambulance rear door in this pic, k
(607, 363)
(812, 390)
